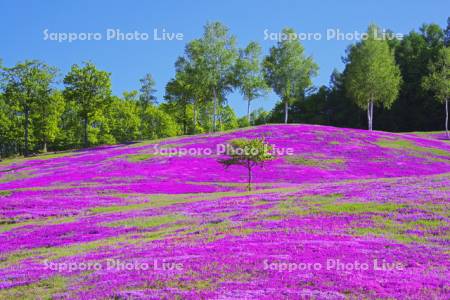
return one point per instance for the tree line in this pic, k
(397, 80)
(404, 83)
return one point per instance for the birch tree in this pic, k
(216, 58)
(250, 79)
(438, 81)
(372, 77)
(287, 70)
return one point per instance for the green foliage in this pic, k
(25, 86)
(90, 89)
(34, 115)
(227, 118)
(438, 81)
(243, 122)
(248, 153)
(124, 119)
(372, 75)
(146, 96)
(250, 79)
(287, 70)
(179, 97)
(214, 56)
(158, 124)
(46, 117)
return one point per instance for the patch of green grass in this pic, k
(387, 233)
(194, 283)
(44, 289)
(428, 223)
(16, 176)
(44, 156)
(320, 199)
(215, 231)
(159, 200)
(425, 132)
(315, 204)
(289, 206)
(146, 222)
(359, 207)
(52, 253)
(162, 200)
(301, 206)
(314, 162)
(9, 224)
(140, 157)
(408, 145)
(400, 231)
(5, 193)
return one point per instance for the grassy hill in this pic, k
(345, 199)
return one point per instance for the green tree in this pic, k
(372, 76)
(179, 97)
(158, 124)
(124, 118)
(25, 85)
(250, 79)
(215, 55)
(6, 129)
(90, 89)
(248, 153)
(191, 76)
(287, 70)
(46, 117)
(438, 81)
(147, 91)
(259, 116)
(227, 118)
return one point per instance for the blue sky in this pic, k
(22, 26)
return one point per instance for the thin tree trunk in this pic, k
(85, 140)
(185, 120)
(446, 119)
(368, 116)
(195, 117)
(44, 148)
(215, 110)
(286, 108)
(248, 111)
(27, 116)
(371, 115)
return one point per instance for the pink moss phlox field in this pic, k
(345, 199)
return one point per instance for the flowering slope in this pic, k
(348, 214)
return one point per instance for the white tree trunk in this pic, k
(371, 115)
(248, 111)
(286, 108)
(446, 119)
(195, 116)
(215, 110)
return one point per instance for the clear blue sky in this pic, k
(23, 22)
